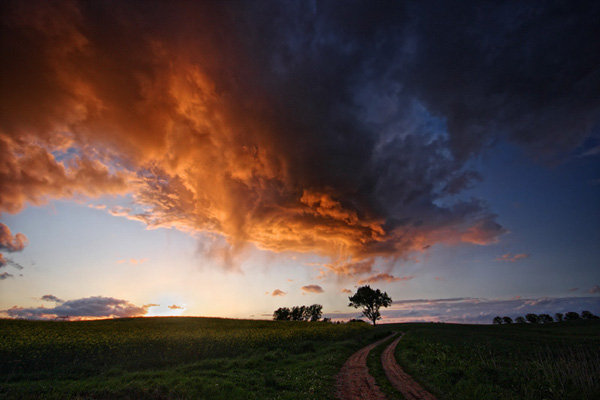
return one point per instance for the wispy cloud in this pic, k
(384, 277)
(5, 275)
(132, 261)
(595, 289)
(51, 298)
(512, 257)
(312, 289)
(176, 307)
(346, 291)
(278, 292)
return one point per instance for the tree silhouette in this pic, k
(497, 320)
(559, 317)
(371, 300)
(520, 320)
(571, 316)
(532, 318)
(507, 320)
(282, 314)
(314, 312)
(545, 318)
(588, 315)
(297, 313)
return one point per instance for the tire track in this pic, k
(403, 382)
(354, 381)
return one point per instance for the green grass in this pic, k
(174, 358)
(553, 361)
(211, 358)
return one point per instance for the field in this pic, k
(550, 361)
(174, 358)
(238, 359)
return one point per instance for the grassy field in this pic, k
(214, 358)
(551, 361)
(174, 358)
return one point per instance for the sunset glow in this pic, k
(226, 159)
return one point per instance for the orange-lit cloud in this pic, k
(176, 307)
(278, 292)
(312, 289)
(384, 277)
(219, 134)
(10, 242)
(346, 291)
(512, 257)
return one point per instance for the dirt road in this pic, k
(354, 381)
(403, 382)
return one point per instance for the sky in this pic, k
(229, 158)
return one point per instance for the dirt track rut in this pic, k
(354, 381)
(403, 382)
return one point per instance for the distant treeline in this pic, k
(299, 313)
(545, 318)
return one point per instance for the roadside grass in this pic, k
(376, 369)
(553, 361)
(175, 358)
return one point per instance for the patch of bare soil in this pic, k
(403, 382)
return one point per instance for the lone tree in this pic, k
(371, 300)
(497, 320)
(507, 320)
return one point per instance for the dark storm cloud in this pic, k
(86, 308)
(329, 129)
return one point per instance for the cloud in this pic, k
(52, 298)
(478, 310)
(132, 261)
(293, 131)
(595, 289)
(346, 291)
(85, 308)
(573, 289)
(384, 277)
(10, 242)
(5, 275)
(278, 292)
(512, 257)
(176, 307)
(312, 289)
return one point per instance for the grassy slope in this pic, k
(554, 361)
(174, 358)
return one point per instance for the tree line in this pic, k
(299, 313)
(545, 318)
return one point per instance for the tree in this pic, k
(571, 316)
(588, 315)
(497, 320)
(297, 313)
(282, 314)
(545, 318)
(520, 320)
(371, 300)
(559, 317)
(532, 318)
(507, 320)
(314, 312)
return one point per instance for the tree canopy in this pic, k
(371, 300)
